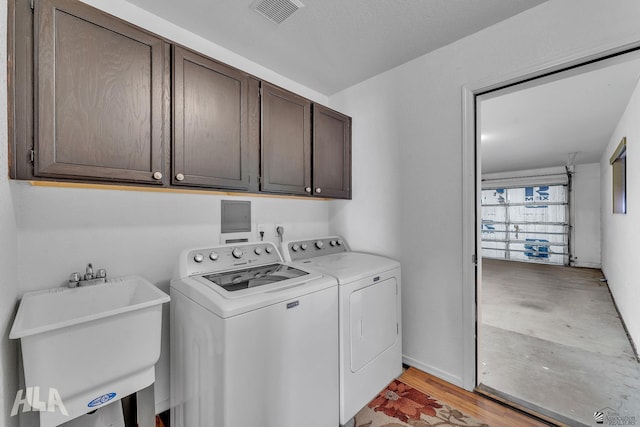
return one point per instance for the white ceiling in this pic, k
(541, 126)
(329, 45)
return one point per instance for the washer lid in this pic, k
(228, 304)
(351, 266)
(237, 280)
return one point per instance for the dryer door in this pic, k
(373, 317)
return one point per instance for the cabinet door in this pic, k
(99, 96)
(331, 153)
(210, 140)
(286, 141)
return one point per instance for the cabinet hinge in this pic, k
(32, 155)
(474, 259)
(31, 4)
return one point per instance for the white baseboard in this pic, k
(448, 377)
(587, 264)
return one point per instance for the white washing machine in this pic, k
(369, 316)
(254, 341)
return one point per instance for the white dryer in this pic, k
(254, 341)
(369, 316)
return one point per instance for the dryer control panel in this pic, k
(311, 248)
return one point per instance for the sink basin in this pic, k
(93, 344)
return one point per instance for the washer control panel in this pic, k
(311, 248)
(227, 257)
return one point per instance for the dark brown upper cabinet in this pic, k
(286, 141)
(91, 98)
(331, 153)
(211, 146)
(100, 96)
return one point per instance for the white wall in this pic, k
(60, 230)
(620, 232)
(586, 216)
(8, 251)
(133, 232)
(415, 111)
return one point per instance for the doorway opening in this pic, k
(549, 336)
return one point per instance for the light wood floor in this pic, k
(492, 413)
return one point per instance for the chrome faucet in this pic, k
(89, 278)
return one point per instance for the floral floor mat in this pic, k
(400, 405)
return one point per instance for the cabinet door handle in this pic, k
(157, 176)
(318, 190)
(179, 177)
(308, 189)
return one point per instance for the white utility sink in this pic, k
(94, 344)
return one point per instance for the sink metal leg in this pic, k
(146, 407)
(139, 408)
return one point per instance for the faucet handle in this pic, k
(89, 272)
(74, 278)
(101, 274)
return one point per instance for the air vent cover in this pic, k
(277, 10)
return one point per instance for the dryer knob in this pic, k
(295, 247)
(304, 246)
(237, 253)
(198, 257)
(258, 250)
(319, 244)
(213, 256)
(333, 243)
(268, 249)
(339, 242)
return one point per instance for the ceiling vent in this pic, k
(277, 10)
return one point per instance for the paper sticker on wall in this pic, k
(538, 249)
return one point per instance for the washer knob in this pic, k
(339, 242)
(258, 250)
(333, 243)
(213, 256)
(268, 249)
(304, 246)
(295, 247)
(237, 253)
(319, 244)
(198, 257)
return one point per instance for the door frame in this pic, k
(471, 181)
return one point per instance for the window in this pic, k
(619, 168)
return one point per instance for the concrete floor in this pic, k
(550, 338)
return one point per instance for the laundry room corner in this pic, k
(8, 250)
